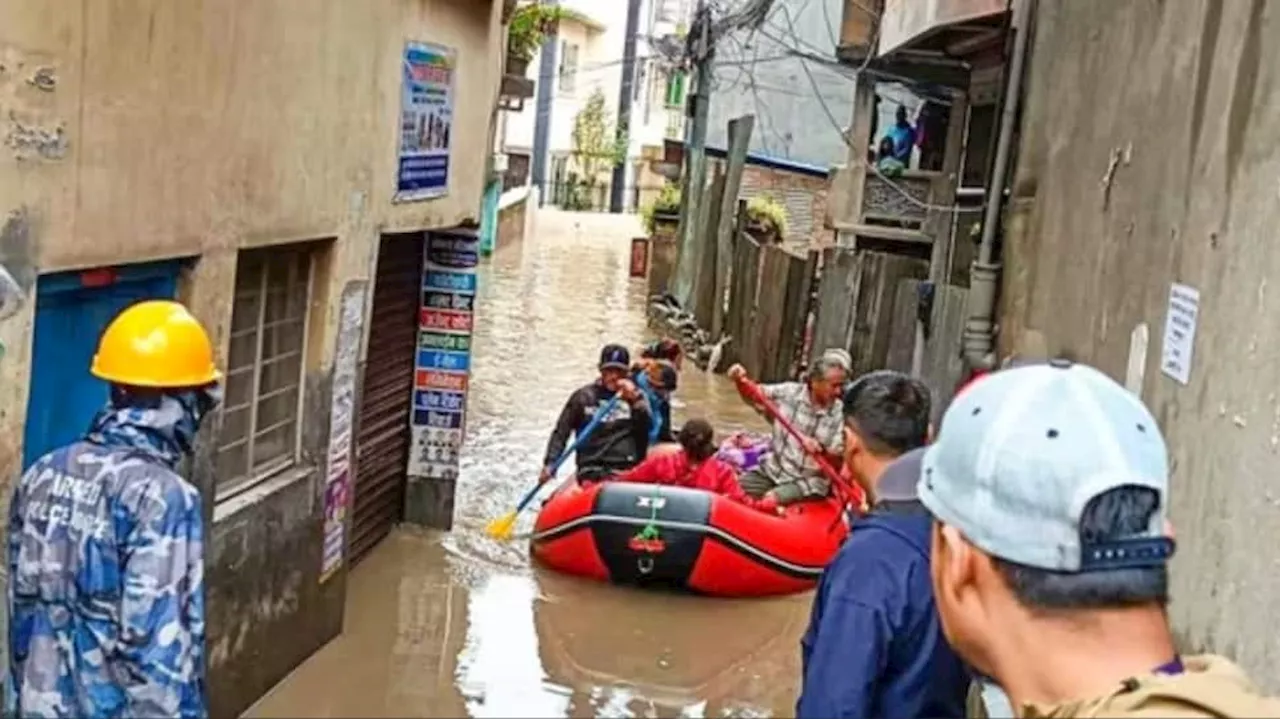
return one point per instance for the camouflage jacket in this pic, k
(106, 592)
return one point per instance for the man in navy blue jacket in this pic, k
(874, 647)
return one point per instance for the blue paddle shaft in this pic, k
(579, 437)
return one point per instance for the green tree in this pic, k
(597, 146)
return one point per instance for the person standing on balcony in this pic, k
(106, 564)
(903, 135)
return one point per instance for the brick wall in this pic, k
(804, 196)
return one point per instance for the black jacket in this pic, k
(617, 444)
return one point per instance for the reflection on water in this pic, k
(447, 625)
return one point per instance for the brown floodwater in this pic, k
(461, 625)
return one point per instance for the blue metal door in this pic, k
(72, 310)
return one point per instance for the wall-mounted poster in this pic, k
(426, 121)
(443, 366)
(337, 483)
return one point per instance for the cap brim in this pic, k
(614, 365)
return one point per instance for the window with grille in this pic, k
(263, 401)
(568, 68)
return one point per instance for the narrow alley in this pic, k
(447, 625)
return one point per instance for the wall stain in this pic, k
(1212, 28)
(27, 141)
(43, 79)
(1245, 88)
(17, 249)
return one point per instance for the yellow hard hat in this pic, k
(155, 343)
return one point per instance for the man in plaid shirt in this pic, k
(788, 473)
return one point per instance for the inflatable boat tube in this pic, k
(697, 541)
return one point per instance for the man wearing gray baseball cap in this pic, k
(1048, 485)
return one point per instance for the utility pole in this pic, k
(695, 164)
(542, 111)
(626, 92)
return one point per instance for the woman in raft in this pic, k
(696, 466)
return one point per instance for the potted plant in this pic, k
(530, 24)
(766, 219)
(663, 214)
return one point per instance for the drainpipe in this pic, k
(978, 340)
(626, 92)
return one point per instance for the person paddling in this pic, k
(789, 473)
(621, 438)
(697, 467)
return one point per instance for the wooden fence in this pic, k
(941, 365)
(857, 301)
(768, 308)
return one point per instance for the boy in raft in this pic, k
(657, 379)
(697, 467)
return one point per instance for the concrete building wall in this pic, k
(758, 73)
(600, 67)
(1149, 157)
(149, 129)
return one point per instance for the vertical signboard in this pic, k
(337, 483)
(426, 121)
(443, 368)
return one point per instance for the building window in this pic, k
(568, 67)
(675, 89)
(260, 428)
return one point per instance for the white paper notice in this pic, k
(1180, 332)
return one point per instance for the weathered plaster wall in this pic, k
(1150, 155)
(146, 129)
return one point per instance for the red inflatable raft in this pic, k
(696, 540)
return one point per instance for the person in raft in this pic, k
(696, 466)
(658, 380)
(619, 441)
(788, 473)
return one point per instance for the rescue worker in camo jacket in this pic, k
(106, 566)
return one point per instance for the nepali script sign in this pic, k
(443, 365)
(426, 121)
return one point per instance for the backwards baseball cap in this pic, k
(615, 356)
(1021, 453)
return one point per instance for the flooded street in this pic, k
(459, 624)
